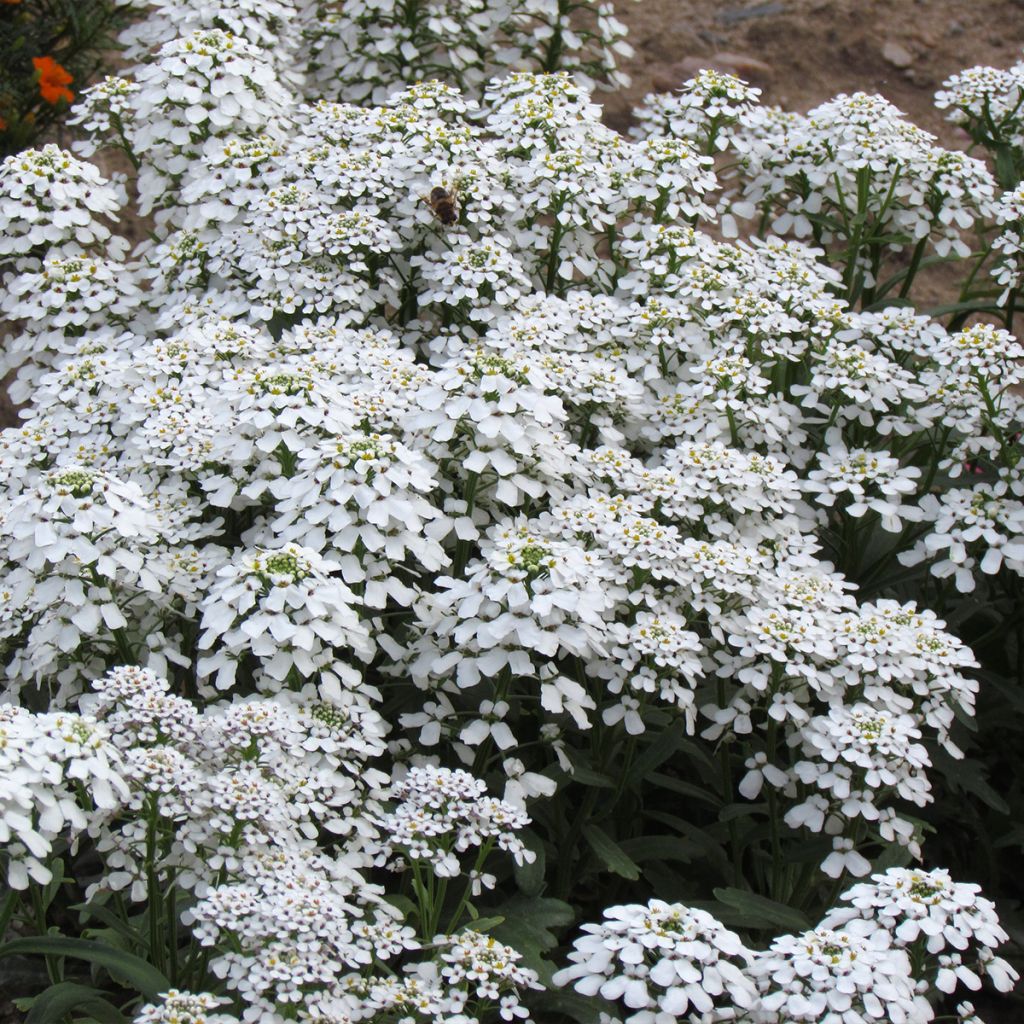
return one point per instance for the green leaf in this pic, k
(683, 788)
(141, 976)
(107, 916)
(761, 911)
(733, 811)
(609, 853)
(51, 888)
(967, 776)
(588, 777)
(482, 924)
(537, 914)
(530, 877)
(527, 929)
(1006, 166)
(660, 750)
(401, 903)
(892, 856)
(57, 1000)
(972, 306)
(711, 846)
(560, 1003)
(644, 848)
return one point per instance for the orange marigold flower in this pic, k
(53, 80)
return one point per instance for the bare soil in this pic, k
(815, 49)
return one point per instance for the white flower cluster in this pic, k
(1009, 270)
(987, 102)
(663, 961)
(474, 977)
(54, 203)
(831, 977)
(855, 157)
(239, 783)
(441, 813)
(705, 112)
(234, 799)
(282, 606)
(973, 529)
(927, 910)
(178, 1007)
(47, 760)
(668, 962)
(372, 47)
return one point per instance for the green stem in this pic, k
(566, 865)
(915, 263)
(481, 859)
(463, 546)
(53, 968)
(551, 274)
(155, 903)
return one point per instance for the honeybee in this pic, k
(444, 204)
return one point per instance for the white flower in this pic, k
(473, 274)
(928, 909)
(974, 529)
(184, 1008)
(523, 785)
(662, 961)
(51, 201)
(50, 762)
(829, 977)
(283, 606)
(442, 813)
(865, 481)
(705, 110)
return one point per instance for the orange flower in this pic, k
(53, 80)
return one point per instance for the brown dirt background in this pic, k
(815, 49)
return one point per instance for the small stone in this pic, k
(955, 28)
(898, 56)
(735, 15)
(742, 65)
(670, 78)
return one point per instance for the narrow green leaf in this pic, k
(610, 853)
(51, 888)
(644, 848)
(968, 777)
(530, 877)
(684, 788)
(141, 976)
(659, 751)
(973, 306)
(483, 924)
(588, 777)
(762, 910)
(57, 1000)
(711, 847)
(107, 916)
(733, 811)
(1006, 166)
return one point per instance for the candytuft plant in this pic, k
(444, 582)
